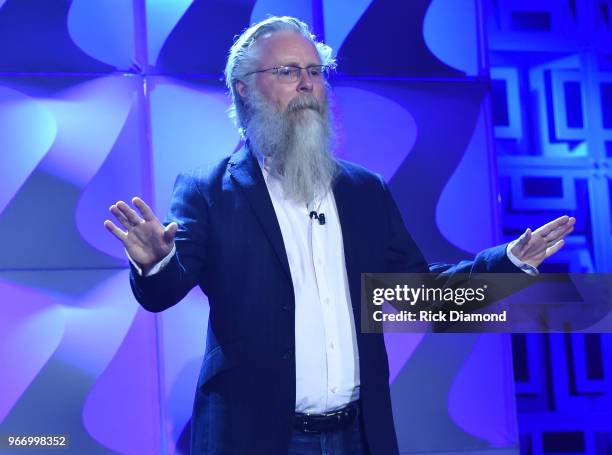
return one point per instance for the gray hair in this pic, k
(241, 60)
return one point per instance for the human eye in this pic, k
(285, 71)
(315, 71)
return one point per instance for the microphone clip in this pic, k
(320, 217)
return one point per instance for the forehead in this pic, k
(285, 48)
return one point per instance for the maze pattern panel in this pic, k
(551, 92)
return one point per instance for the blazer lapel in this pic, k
(349, 216)
(245, 170)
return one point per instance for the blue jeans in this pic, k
(349, 440)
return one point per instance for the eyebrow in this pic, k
(297, 64)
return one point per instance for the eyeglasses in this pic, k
(289, 74)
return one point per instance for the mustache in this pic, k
(304, 102)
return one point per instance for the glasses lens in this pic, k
(292, 73)
(317, 72)
(288, 73)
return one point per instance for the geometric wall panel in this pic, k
(563, 391)
(73, 332)
(506, 109)
(549, 63)
(96, 146)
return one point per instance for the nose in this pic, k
(305, 82)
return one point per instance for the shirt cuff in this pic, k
(157, 267)
(528, 269)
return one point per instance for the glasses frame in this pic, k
(276, 71)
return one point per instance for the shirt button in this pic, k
(334, 389)
(331, 345)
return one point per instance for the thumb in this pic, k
(169, 232)
(520, 241)
(521, 244)
(525, 237)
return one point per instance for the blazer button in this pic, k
(287, 355)
(285, 307)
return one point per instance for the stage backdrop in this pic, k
(551, 72)
(103, 100)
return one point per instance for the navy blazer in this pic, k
(229, 243)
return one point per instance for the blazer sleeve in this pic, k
(404, 256)
(189, 210)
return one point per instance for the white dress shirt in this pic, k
(326, 355)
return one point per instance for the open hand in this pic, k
(146, 240)
(533, 247)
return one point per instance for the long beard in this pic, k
(296, 143)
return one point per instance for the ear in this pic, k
(241, 88)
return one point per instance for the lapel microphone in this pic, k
(318, 216)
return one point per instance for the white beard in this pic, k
(296, 143)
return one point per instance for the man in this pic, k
(277, 235)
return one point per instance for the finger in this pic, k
(108, 224)
(144, 209)
(120, 217)
(568, 230)
(129, 213)
(551, 226)
(556, 247)
(170, 231)
(559, 233)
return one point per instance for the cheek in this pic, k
(319, 92)
(284, 95)
(280, 95)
